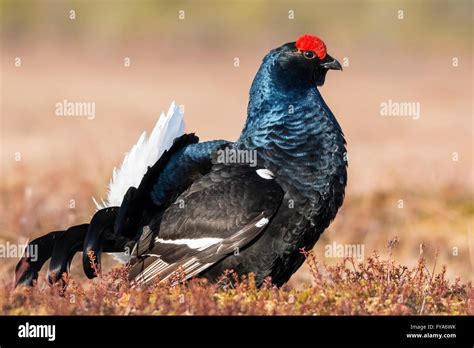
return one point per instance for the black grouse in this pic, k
(247, 206)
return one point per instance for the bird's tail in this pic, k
(142, 155)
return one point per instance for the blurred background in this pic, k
(411, 178)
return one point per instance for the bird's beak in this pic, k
(331, 63)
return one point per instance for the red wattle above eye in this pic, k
(308, 42)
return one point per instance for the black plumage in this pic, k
(220, 213)
(296, 138)
(195, 213)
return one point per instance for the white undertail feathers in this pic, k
(143, 155)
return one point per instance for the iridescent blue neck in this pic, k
(271, 102)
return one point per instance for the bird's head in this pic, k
(303, 63)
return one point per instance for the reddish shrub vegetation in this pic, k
(371, 287)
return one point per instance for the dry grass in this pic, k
(374, 287)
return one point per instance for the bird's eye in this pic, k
(309, 54)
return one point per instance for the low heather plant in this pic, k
(374, 286)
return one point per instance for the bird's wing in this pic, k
(186, 161)
(184, 167)
(220, 213)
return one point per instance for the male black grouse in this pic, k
(202, 213)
